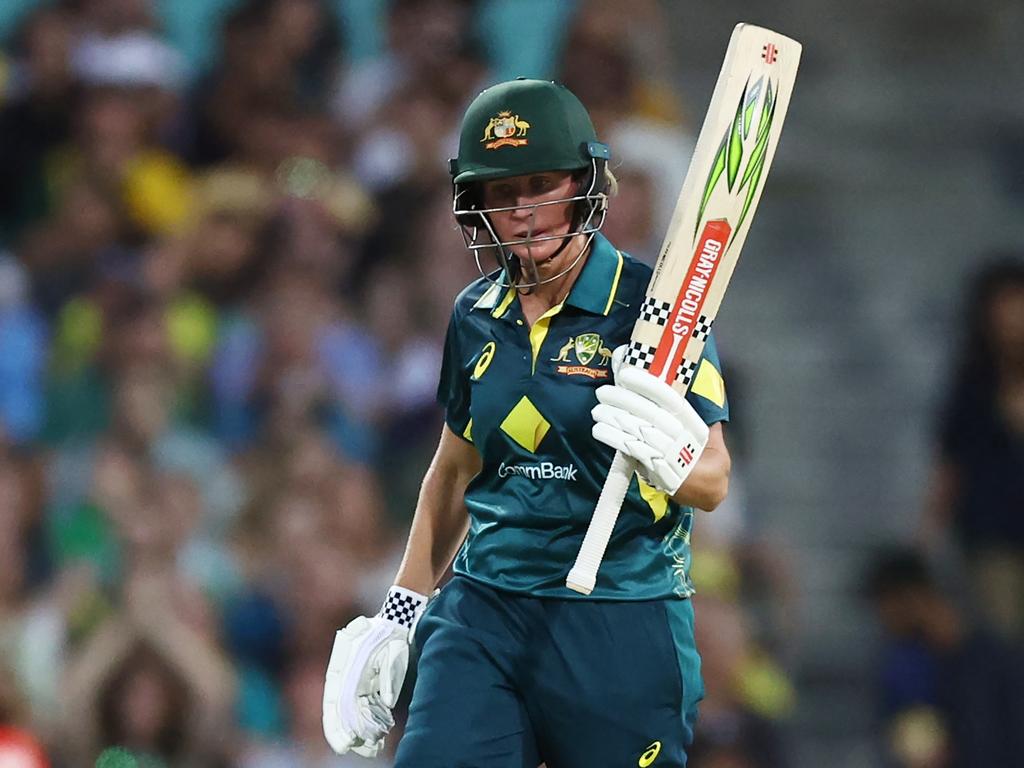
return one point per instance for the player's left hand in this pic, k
(644, 418)
(365, 674)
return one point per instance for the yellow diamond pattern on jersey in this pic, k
(708, 383)
(656, 500)
(526, 425)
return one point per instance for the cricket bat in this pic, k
(712, 216)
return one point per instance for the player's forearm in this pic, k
(708, 483)
(438, 528)
(440, 522)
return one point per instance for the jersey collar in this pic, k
(594, 290)
(496, 298)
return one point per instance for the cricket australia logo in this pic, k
(584, 348)
(505, 130)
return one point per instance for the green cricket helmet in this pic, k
(520, 127)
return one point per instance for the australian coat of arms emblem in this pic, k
(505, 130)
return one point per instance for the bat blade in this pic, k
(716, 204)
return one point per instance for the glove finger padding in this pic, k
(650, 387)
(662, 444)
(618, 355)
(635, 448)
(620, 419)
(655, 390)
(340, 741)
(630, 434)
(392, 674)
(641, 411)
(377, 715)
(369, 749)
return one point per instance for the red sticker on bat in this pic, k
(692, 293)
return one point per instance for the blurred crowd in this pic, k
(226, 265)
(950, 682)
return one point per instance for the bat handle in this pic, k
(583, 575)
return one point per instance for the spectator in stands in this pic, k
(277, 57)
(406, 146)
(977, 492)
(36, 116)
(628, 96)
(24, 345)
(746, 697)
(32, 617)
(309, 548)
(396, 309)
(950, 694)
(121, 46)
(427, 43)
(249, 77)
(63, 252)
(306, 32)
(148, 681)
(631, 222)
(302, 361)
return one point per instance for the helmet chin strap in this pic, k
(535, 273)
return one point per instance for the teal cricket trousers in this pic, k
(506, 680)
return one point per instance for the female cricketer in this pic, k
(515, 669)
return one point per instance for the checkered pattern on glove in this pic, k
(403, 607)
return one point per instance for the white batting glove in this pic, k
(366, 672)
(644, 418)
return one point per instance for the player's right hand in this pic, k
(366, 672)
(644, 418)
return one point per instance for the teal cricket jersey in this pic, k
(522, 396)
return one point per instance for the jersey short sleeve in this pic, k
(453, 386)
(707, 393)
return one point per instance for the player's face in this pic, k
(525, 222)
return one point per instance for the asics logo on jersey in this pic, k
(484, 361)
(650, 755)
(545, 470)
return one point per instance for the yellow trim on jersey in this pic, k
(502, 307)
(539, 332)
(656, 500)
(615, 283)
(708, 384)
(468, 431)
